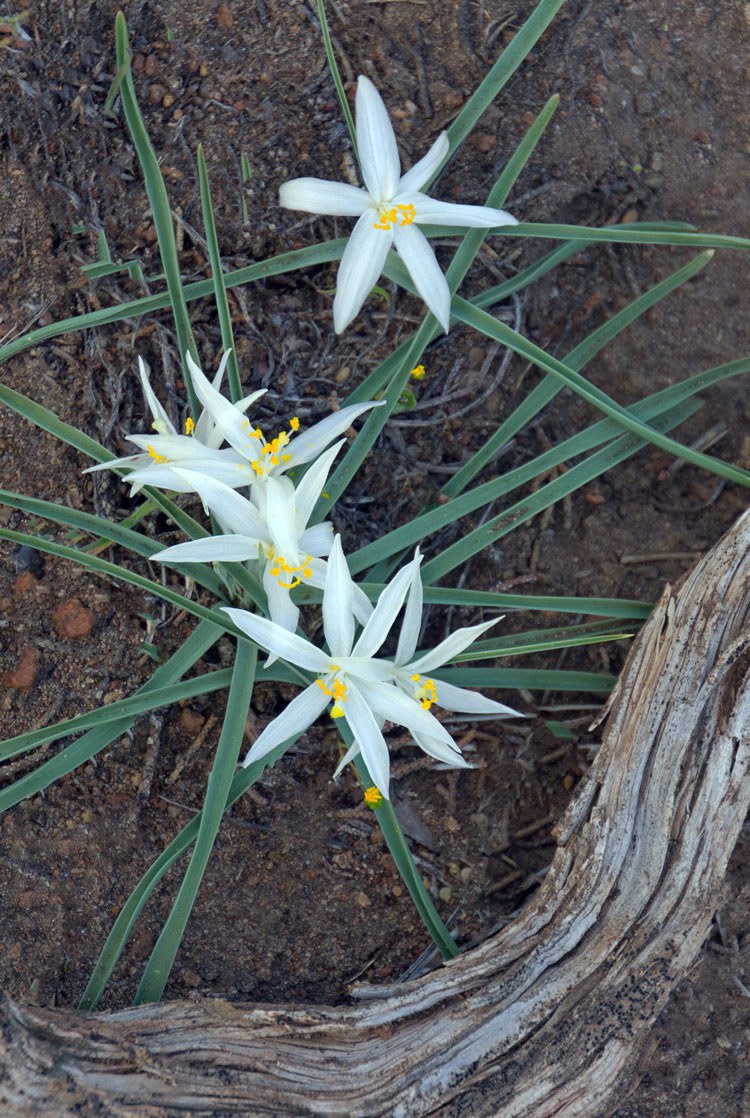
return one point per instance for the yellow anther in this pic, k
(426, 695)
(286, 458)
(160, 458)
(307, 572)
(407, 213)
(258, 433)
(373, 797)
(387, 219)
(323, 688)
(419, 372)
(339, 689)
(290, 585)
(189, 425)
(257, 467)
(294, 423)
(337, 712)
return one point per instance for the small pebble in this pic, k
(73, 620)
(22, 678)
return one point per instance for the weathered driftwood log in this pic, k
(547, 1017)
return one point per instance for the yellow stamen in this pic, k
(419, 372)
(294, 423)
(373, 797)
(323, 688)
(407, 214)
(337, 712)
(160, 458)
(189, 426)
(427, 693)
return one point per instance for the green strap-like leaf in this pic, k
(163, 955)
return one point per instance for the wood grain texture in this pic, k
(547, 1017)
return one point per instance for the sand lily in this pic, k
(197, 449)
(365, 690)
(264, 457)
(390, 209)
(271, 532)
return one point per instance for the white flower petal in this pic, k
(318, 196)
(462, 701)
(360, 268)
(361, 604)
(301, 713)
(210, 549)
(352, 752)
(386, 610)
(281, 517)
(154, 406)
(338, 620)
(205, 428)
(309, 489)
(421, 172)
(289, 646)
(441, 752)
(421, 263)
(231, 473)
(432, 212)
(237, 430)
(369, 738)
(318, 540)
(388, 701)
(449, 648)
(120, 463)
(412, 623)
(280, 605)
(376, 143)
(235, 513)
(312, 442)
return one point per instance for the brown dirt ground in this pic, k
(300, 893)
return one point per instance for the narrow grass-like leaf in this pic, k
(157, 195)
(135, 903)
(93, 741)
(421, 527)
(624, 608)
(498, 331)
(612, 234)
(113, 570)
(333, 67)
(163, 955)
(500, 73)
(217, 275)
(105, 530)
(527, 679)
(324, 253)
(135, 705)
(576, 359)
(577, 476)
(545, 640)
(399, 851)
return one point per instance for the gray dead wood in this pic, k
(547, 1017)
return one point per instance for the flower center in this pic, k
(337, 691)
(392, 216)
(426, 694)
(281, 568)
(271, 452)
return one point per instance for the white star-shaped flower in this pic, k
(390, 210)
(270, 532)
(366, 690)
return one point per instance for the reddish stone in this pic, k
(22, 678)
(72, 619)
